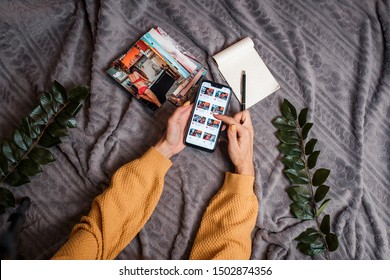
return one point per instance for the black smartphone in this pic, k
(203, 129)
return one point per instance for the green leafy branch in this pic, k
(308, 188)
(23, 155)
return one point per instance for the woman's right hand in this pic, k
(240, 147)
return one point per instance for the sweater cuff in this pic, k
(155, 160)
(237, 183)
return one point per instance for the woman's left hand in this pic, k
(173, 140)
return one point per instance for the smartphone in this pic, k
(203, 129)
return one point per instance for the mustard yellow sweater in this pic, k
(119, 213)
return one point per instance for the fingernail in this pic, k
(233, 127)
(187, 103)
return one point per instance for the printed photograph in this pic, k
(199, 119)
(189, 69)
(195, 132)
(156, 68)
(213, 123)
(222, 95)
(144, 74)
(203, 105)
(209, 137)
(181, 55)
(217, 109)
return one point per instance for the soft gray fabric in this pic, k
(331, 56)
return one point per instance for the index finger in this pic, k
(185, 114)
(230, 121)
(226, 119)
(177, 114)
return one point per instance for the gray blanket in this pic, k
(331, 56)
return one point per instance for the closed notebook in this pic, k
(243, 56)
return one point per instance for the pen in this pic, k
(243, 89)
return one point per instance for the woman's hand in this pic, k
(173, 140)
(240, 135)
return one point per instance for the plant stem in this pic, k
(311, 188)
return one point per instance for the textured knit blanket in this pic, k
(331, 56)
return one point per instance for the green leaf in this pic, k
(35, 127)
(57, 97)
(57, 131)
(27, 140)
(41, 156)
(312, 160)
(304, 247)
(307, 250)
(11, 151)
(332, 241)
(18, 140)
(73, 108)
(288, 110)
(28, 167)
(65, 120)
(297, 177)
(36, 114)
(22, 140)
(293, 162)
(46, 101)
(288, 137)
(321, 193)
(291, 150)
(79, 94)
(313, 249)
(325, 225)
(309, 148)
(299, 194)
(320, 176)
(284, 124)
(71, 123)
(302, 117)
(53, 104)
(302, 211)
(16, 179)
(322, 207)
(305, 130)
(316, 248)
(27, 128)
(48, 141)
(3, 165)
(7, 199)
(59, 92)
(39, 116)
(308, 236)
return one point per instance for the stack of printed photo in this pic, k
(157, 68)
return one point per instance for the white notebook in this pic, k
(243, 56)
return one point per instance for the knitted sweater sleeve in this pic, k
(226, 227)
(119, 213)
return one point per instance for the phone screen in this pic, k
(203, 130)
